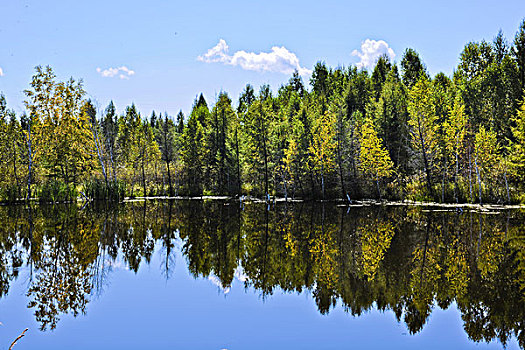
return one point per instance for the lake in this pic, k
(217, 274)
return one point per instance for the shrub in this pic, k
(97, 189)
(56, 191)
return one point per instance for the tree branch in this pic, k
(17, 339)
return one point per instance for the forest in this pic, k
(394, 133)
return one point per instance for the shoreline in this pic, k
(339, 202)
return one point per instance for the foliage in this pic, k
(432, 138)
(374, 160)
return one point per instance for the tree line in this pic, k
(392, 133)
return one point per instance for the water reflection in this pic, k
(407, 260)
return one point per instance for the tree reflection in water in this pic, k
(407, 260)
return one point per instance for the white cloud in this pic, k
(278, 60)
(371, 50)
(1, 72)
(123, 72)
(216, 281)
(238, 274)
(117, 264)
(218, 53)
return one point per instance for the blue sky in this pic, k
(148, 52)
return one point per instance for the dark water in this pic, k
(213, 275)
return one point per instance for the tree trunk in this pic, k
(285, 188)
(169, 179)
(99, 154)
(456, 190)
(322, 178)
(443, 184)
(425, 159)
(265, 169)
(30, 161)
(239, 188)
(341, 178)
(479, 178)
(143, 178)
(506, 183)
(470, 174)
(15, 172)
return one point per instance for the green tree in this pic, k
(145, 151)
(128, 127)
(487, 157)
(166, 139)
(219, 159)
(455, 128)
(192, 153)
(379, 75)
(517, 147)
(319, 80)
(392, 120)
(61, 127)
(11, 148)
(110, 125)
(412, 68)
(519, 53)
(358, 92)
(257, 143)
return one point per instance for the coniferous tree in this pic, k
(519, 53)
(392, 120)
(110, 133)
(379, 75)
(192, 153)
(166, 139)
(358, 92)
(257, 143)
(319, 80)
(412, 68)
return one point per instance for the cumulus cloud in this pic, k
(216, 281)
(1, 72)
(122, 72)
(238, 274)
(279, 59)
(118, 264)
(371, 50)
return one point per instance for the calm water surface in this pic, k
(215, 275)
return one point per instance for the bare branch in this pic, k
(17, 339)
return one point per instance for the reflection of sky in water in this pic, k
(146, 311)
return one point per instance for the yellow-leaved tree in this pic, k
(517, 147)
(487, 157)
(455, 130)
(424, 126)
(322, 146)
(62, 130)
(374, 160)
